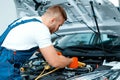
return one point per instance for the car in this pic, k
(99, 75)
(96, 51)
(101, 54)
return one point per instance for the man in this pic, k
(26, 37)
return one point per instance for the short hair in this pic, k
(57, 9)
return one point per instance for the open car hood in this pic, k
(90, 16)
(83, 15)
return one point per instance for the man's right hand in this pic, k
(75, 63)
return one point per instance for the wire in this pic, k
(57, 34)
(42, 71)
(88, 26)
(46, 73)
(81, 21)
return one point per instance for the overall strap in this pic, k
(13, 25)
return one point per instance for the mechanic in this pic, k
(27, 35)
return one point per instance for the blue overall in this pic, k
(11, 61)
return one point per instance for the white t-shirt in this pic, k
(28, 35)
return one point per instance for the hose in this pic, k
(45, 68)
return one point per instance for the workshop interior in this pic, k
(91, 33)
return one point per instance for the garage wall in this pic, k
(7, 13)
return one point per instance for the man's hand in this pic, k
(75, 63)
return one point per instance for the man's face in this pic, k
(56, 23)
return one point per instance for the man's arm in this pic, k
(50, 55)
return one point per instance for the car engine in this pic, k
(35, 67)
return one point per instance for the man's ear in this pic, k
(53, 19)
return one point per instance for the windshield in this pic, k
(88, 39)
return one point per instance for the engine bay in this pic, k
(35, 69)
